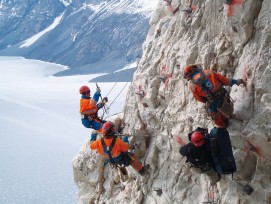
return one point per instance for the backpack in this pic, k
(222, 154)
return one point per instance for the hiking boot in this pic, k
(144, 170)
(217, 179)
(123, 171)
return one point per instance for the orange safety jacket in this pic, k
(119, 147)
(88, 104)
(213, 83)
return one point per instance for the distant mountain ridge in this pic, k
(90, 36)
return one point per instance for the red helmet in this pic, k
(108, 128)
(190, 70)
(84, 89)
(197, 139)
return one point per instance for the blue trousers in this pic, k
(92, 123)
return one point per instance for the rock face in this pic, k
(237, 38)
(90, 36)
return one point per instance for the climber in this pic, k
(210, 153)
(199, 154)
(89, 109)
(207, 87)
(115, 150)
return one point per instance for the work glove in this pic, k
(240, 81)
(125, 138)
(98, 89)
(105, 100)
(102, 103)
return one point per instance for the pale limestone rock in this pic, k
(241, 46)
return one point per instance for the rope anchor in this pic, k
(162, 78)
(188, 10)
(141, 93)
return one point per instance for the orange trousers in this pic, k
(135, 163)
(219, 119)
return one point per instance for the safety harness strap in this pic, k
(210, 96)
(109, 148)
(200, 80)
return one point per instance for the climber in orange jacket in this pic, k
(114, 150)
(89, 109)
(207, 87)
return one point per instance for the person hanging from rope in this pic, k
(114, 150)
(199, 154)
(208, 87)
(89, 109)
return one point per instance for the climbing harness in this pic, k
(226, 105)
(219, 100)
(108, 149)
(215, 96)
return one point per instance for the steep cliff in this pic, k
(237, 38)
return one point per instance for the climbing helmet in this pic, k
(108, 128)
(84, 90)
(197, 139)
(190, 70)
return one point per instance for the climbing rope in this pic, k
(117, 95)
(111, 89)
(215, 24)
(105, 108)
(212, 31)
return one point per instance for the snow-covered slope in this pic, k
(238, 39)
(41, 130)
(121, 6)
(92, 36)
